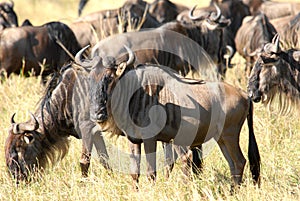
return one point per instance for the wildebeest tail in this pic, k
(253, 152)
(60, 32)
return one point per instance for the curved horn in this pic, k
(215, 17)
(229, 52)
(199, 17)
(274, 46)
(86, 63)
(276, 43)
(78, 55)
(131, 58)
(11, 3)
(34, 121)
(27, 126)
(12, 121)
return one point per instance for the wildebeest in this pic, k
(210, 33)
(251, 37)
(63, 112)
(151, 46)
(132, 16)
(25, 48)
(276, 72)
(8, 17)
(289, 30)
(273, 9)
(151, 103)
(234, 10)
(165, 11)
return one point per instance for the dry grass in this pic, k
(278, 140)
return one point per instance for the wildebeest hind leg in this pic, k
(233, 154)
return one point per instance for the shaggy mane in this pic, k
(54, 145)
(287, 93)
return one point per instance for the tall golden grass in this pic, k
(277, 136)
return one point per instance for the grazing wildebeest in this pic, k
(273, 9)
(289, 30)
(255, 32)
(165, 11)
(8, 17)
(276, 72)
(151, 103)
(25, 48)
(63, 112)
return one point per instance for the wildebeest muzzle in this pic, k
(255, 96)
(101, 115)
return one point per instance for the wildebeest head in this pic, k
(8, 17)
(213, 20)
(23, 148)
(274, 71)
(103, 77)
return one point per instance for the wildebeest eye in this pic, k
(28, 138)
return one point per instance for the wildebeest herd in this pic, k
(86, 94)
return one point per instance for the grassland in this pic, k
(277, 136)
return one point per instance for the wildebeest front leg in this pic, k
(91, 136)
(85, 160)
(101, 149)
(169, 158)
(150, 151)
(135, 161)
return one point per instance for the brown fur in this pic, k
(25, 49)
(273, 9)
(232, 107)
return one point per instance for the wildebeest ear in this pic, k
(130, 62)
(121, 68)
(28, 138)
(296, 55)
